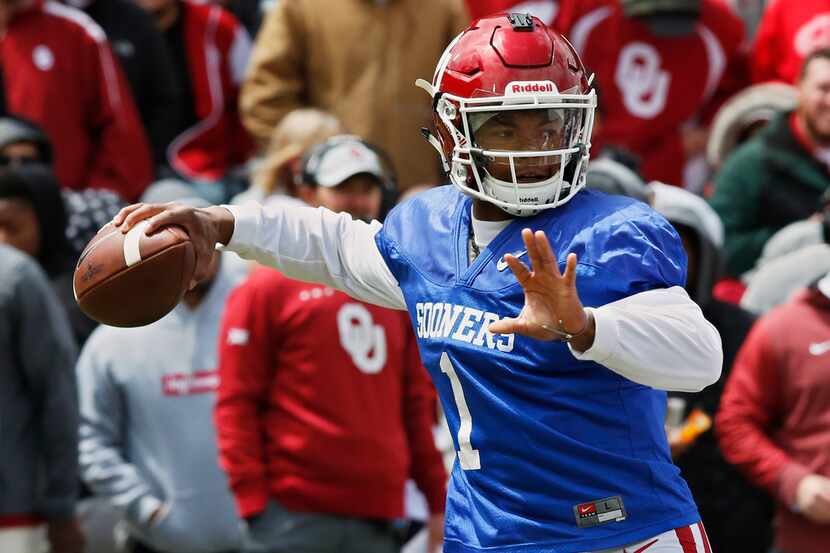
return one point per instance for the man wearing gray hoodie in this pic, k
(38, 413)
(146, 397)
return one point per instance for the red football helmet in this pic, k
(513, 113)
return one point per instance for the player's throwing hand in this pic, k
(552, 309)
(205, 227)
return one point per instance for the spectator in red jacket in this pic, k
(319, 440)
(788, 33)
(774, 419)
(662, 69)
(59, 72)
(210, 50)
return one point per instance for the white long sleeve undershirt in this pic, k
(657, 338)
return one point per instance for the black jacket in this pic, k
(737, 515)
(146, 62)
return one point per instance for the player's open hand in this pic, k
(204, 226)
(552, 306)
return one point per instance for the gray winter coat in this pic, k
(38, 401)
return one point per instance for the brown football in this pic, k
(131, 279)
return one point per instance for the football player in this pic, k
(552, 374)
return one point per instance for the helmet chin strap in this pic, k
(547, 191)
(458, 177)
(511, 192)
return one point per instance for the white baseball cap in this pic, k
(342, 157)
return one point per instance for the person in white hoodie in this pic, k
(146, 440)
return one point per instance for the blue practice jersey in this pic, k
(555, 455)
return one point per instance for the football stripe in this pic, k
(132, 253)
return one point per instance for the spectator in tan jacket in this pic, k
(356, 62)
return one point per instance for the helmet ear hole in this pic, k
(448, 108)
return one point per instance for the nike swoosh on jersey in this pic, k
(585, 509)
(502, 264)
(819, 348)
(643, 548)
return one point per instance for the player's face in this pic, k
(532, 130)
(19, 226)
(814, 99)
(359, 196)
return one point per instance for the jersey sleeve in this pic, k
(648, 329)
(317, 245)
(388, 248)
(636, 250)
(402, 241)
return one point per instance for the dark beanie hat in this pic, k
(16, 129)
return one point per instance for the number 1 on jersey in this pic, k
(467, 456)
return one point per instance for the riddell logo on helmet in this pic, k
(530, 87)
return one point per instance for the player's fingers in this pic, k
(508, 325)
(546, 253)
(171, 214)
(519, 269)
(183, 218)
(123, 212)
(532, 250)
(520, 326)
(144, 211)
(570, 271)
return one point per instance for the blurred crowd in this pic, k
(265, 414)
